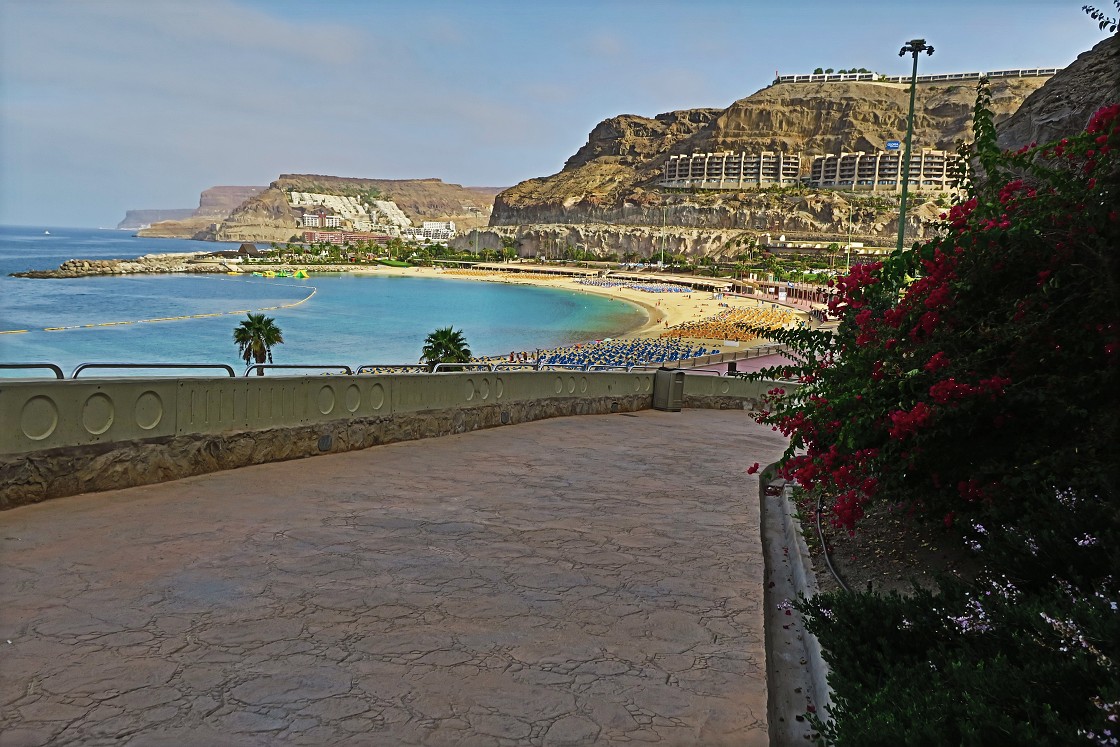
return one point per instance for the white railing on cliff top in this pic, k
(1026, 72)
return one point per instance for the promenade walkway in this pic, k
(576, 581)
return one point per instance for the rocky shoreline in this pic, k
(80, 268)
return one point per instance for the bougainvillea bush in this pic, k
(979, 362)
(975, 378)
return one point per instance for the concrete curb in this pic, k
(805, 580)
(797, 676)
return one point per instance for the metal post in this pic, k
(913, 47)
(848, 253)
(662, 237)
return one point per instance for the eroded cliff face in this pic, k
(263, 217)
(140, 218)
(600, 180)
(222, 201)
(1065, 104)
(816, 118)
(710, 225)
(214, 204)
(268, 217)
(609, 187)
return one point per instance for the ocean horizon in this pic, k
(327, 319)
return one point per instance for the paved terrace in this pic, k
(582, 580)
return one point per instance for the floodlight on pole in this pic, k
(914, 47)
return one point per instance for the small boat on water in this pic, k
(46, 233)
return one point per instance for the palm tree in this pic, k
(832, 250)
(445, 345)
(255, 337)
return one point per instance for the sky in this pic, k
(110, 105)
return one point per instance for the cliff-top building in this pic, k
(1024, 72)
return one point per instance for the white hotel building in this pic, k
(930, 171)
(433, 230)
(729, 170)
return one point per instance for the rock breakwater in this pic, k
(80, 268)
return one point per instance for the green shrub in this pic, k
(977, 378)
(983, 665)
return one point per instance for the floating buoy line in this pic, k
(314, 290)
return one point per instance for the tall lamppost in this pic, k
(914, 47)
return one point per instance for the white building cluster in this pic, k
(349, 213)
(930, 171)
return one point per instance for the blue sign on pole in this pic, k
(893, 145)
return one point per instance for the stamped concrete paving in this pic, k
(587, 580)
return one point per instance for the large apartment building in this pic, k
(320, 220)
(437, 230)
(729, 170)
(930, 171)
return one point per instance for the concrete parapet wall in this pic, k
(62, 438)
(724, 392)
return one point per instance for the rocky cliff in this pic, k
(606, 194)
(214, 205)
(1064, 105)
(612, 179)
(140, 218)
(268, 217)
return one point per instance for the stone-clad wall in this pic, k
(63, 438)
(55, 473)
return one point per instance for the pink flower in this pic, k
(905, 423)
(936, 362)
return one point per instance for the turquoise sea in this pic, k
(350, 319)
